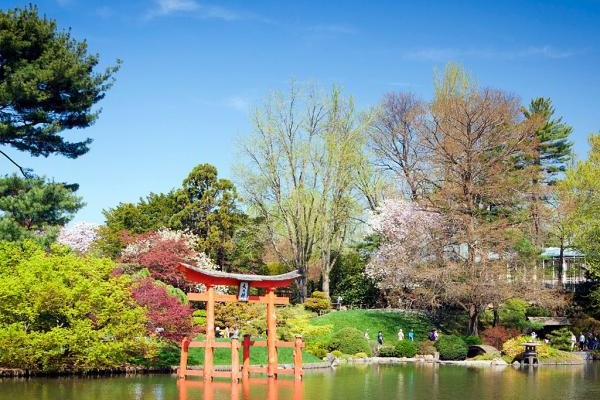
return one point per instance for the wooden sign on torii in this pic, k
(243, 282)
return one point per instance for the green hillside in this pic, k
(388, 322)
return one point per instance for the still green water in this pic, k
(385, 382)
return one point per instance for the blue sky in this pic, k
(193, 71)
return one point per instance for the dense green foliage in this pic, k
(47, 84)
(207, 207)
(31, 208)
(62, 312)
(406, 348)
(348, 278)
(349, 340)
(317, 302)
(388, 350)
(451, 347)
(560, 339)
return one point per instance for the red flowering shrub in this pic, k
(167, 316)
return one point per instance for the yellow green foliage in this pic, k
(319, 301)
(294, 320)
(514, 348)
(61, 311)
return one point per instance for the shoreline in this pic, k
(331, 362)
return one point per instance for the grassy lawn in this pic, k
(388, 322)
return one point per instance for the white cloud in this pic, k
(238, 103)
(165, 8)
(442, 54)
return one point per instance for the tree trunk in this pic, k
(325, 287)
(561, 271)
(473, 320)
(496, 320)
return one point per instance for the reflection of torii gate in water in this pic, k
(210, 279)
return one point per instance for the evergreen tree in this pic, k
(34, 208)
(47, 85)
(551, 153)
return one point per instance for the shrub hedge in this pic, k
(349, 341)
(406, 348)
(451, 347)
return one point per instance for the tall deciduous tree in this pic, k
(47, 85)
(474, 137)
(473, 140)
(395, 140)
(582, 189)
(299, 175)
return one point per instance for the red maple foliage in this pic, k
(497, 335)
(167, 316)
(161, 257)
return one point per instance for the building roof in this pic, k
(554, 252)
(550, 321)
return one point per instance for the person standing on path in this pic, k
(400, 335)
(379, 338)
(411, 335)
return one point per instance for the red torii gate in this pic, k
(244, 282)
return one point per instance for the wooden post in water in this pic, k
(298, 358)
(185, 343)
(246, 356)
(235, 359)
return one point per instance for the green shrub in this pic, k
(560, 339)
(199, 318)
(451, 347)
(337, 354)
(471, 340)
(406, 348)
(387, 350)
(317, 350)
(361, 355)
(295, 320)
(349, 341)
(426, 347)
(318, 302)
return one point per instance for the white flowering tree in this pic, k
(79, 237)
(411, 244)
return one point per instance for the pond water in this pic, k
(408, 381)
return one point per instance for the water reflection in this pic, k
(422, 381)
(248, 389)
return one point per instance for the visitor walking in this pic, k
(400, 335)
(581, 342)
(411, 335)
(573, 341)
(379, 338)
